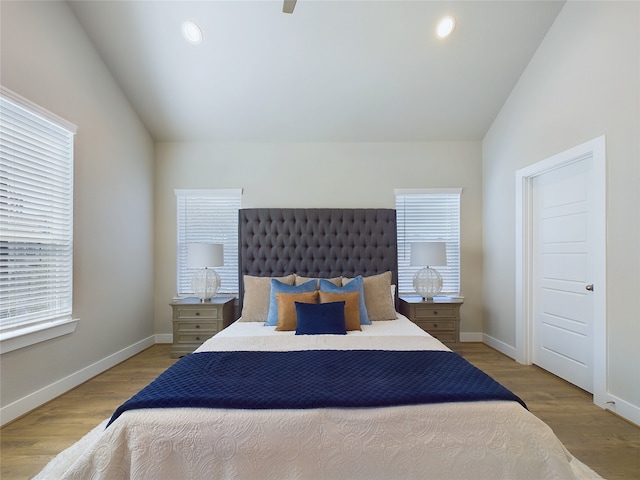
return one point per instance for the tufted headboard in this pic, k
(316, 242)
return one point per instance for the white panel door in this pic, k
(562, 299)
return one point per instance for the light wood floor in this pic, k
(608, 444)
(603, 441)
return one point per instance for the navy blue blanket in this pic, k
(317, 379)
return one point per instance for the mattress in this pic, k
(485, 439)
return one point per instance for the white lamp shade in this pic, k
(203, 255)
(430, 254)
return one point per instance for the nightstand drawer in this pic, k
(439, 318)
(430, 311)
(208, 313)
(212, 327)
(437, 326)
(195, 321)
(196, 338)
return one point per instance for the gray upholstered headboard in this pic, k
(316, 242)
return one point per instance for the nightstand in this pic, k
(195, 321)
(439, 317)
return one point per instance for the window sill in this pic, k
(32, 334)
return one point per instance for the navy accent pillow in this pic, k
(355, 285)
(279, 287)
(321, 318)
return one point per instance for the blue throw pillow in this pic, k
(321, 318)
(355, 285)
(278, 287)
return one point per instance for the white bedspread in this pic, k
(475, 440)
(399, 334)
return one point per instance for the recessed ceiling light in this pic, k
(446, 26)
(191, 32)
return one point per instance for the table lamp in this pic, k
(206, 281)
(427, 281)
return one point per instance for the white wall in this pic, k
(351, 175)
(583, 82)
(47, 58)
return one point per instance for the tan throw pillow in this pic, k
(255, 305)
(287, 316)
(337, 281)
(377, 296)
(351, 306)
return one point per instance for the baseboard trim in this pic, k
(499, 345)
(164, 338)
(621, 408)
(471, 336)
(34, 400)
(20, 407)
(618, 406)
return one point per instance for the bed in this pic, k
(330, 419)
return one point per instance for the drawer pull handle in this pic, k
(197, 314)
(197, 338)
(435, 325)
(435, 312)
(197, 326)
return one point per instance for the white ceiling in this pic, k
(361, 71)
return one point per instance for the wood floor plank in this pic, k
(29, 443)
(605, 442)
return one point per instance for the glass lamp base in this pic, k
(205, 283)
(427, 282)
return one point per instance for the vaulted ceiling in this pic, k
(361, 71)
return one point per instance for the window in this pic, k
(209, 216)
(429, 215)
(36, 218)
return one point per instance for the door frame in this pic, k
(524, 256)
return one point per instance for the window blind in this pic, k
(208, 216)
(429, 215)
(36, 214)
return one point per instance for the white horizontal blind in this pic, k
(209, 216)
(429, 215)
(36, 214)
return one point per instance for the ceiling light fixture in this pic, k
(191, 32)
(446, 26)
